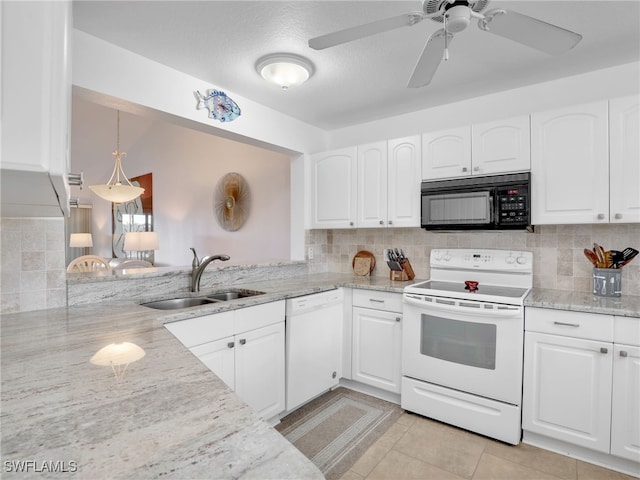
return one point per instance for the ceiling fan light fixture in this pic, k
(457, 18)
(285, 70)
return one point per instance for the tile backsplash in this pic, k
(32, 264)
(559, 261)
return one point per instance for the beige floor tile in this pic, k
(395, 432)
(350, 475)
(549, 462)
(588, 471)
(496, 468)
(442, 446)
(397, 466)
(372, 457)
(407, 418)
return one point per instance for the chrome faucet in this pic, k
(198, 266)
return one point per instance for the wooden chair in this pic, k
(88, 263)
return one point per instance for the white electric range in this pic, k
(463, 340)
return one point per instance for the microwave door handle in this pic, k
(491, 209)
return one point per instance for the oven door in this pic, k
(474, 347)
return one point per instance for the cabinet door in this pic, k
(314, 353)
(376, 350)
(567, 389)
(625, 416)
(372, 185)
(501, 147)
(570, 165)
(403, 184)
(260, 369)
(446, 153)
(624, 118)
(334, 187)
(219, 357)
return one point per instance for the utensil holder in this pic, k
(607, 282)
(402, 275)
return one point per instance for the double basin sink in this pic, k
(186, 302)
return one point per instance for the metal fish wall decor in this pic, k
(220, 106)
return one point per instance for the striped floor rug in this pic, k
(336, 429)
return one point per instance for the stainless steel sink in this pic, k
(216, 297)
(175, 303)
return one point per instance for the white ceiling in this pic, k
(220, 41)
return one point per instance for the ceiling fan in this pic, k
(455, 15)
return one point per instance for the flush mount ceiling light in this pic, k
(115, 191)
(286, 70)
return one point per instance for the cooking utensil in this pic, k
(615, 258)
(599, 251)
(591, 256)
(628, 254)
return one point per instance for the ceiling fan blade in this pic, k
(529, 31)
(430, 59)
(361, 31)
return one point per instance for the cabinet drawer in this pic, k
(627, 330)
(387, 301)
(207, 328)
(569, 324)
(259, 316)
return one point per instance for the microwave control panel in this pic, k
(513, 205)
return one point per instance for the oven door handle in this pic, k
(460, 307)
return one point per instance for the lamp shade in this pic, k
(80, 240)
(140, 241)
(117, 193)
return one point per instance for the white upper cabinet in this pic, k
(446, 153)
(372, 185)
(500, 147)
(334, 188)
(484, 149)
(403, 182)
(624, 160)
(570, 165)
(36, 122)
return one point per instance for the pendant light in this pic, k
(115, 190)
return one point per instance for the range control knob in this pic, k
(437, 255)
(447, 257)
(510, 259)
(521, 260)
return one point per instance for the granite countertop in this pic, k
(624, 306)
(168, 415)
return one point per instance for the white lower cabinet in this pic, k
(376, 351)
(567, 389)
(581, 393)
(245, 349)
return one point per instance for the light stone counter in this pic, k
(168, 415)
(624, 306)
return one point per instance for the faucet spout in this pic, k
(198, 266)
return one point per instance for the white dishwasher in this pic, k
(313, 345)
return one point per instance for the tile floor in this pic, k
(422, 449)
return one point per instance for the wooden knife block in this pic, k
(402, 275)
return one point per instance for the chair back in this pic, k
(88, 263)
(132, 263)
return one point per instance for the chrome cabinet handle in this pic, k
(601, 216)
(617, 216)
(604, 350)
(381, 222)
(376, 300)
(390, 222)
(575, 325)
(243, 341)
(398, 319)
(464, 169)
(476, 169)
(351, 224)
(230, 345)
(623, 353)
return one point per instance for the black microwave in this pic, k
(498, 202)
